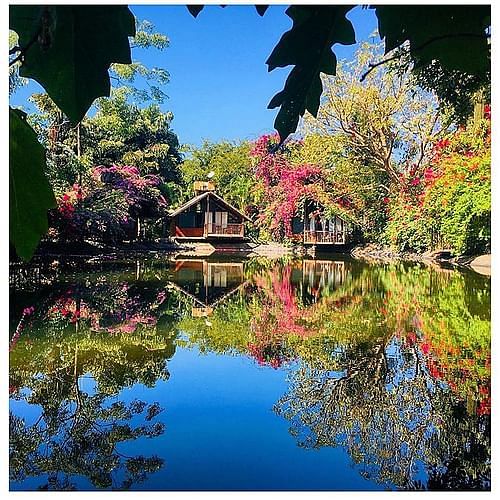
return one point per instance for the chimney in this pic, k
(203, 186)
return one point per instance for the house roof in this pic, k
(200, 197)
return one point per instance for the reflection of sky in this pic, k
(221, 432)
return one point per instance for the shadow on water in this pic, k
(390, 363)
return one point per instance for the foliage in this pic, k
(365, 186)
(407, 229)
(384, 122)
(125, 75)
(15, 81)
(307, 46)
(69, 49)
(457, 92)
(68, 161)
(107, 210)
(286, 186)
(231, 165)
(456, 37)
(459, 195)
(449, 204)
(125, 134)
(49, 41)
(55, 37)
(27, 208)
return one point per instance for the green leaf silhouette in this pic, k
(453, 35)
(30, 194)
(307, 46)
(69, 49)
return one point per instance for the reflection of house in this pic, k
(321, 274)
(206, 283)
(316, 278)
(315, 228)
(207, 217)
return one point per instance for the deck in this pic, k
(325, 237)
(224, 230)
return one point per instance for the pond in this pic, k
(249, 374)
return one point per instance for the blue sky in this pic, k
(220, 87)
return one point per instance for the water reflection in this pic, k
(388, 362)
(206, 283)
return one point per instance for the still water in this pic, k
(324, 374)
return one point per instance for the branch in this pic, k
(380, 63)
(428, 42)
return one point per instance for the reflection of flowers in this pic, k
(27, 311)
(279, 317)
(465, 372)
(281, 313)
(114, 308)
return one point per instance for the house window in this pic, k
(187, 220)
(221, 219)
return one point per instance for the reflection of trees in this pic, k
(397, 374)
(78, 431)
(392, 418)
(78, 434)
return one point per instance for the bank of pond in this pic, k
(230, 373)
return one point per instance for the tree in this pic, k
(110, 207)
(285, 186)
(126, 75)
(383, 121)
(365, 186)
(231, 165)
(122, 133)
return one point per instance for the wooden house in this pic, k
(315, 228)
(207, 217)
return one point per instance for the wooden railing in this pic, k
(333, 237)
(229, 229)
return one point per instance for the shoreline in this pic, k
(375, 253)
(370, 252)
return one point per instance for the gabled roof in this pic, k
(200, 197)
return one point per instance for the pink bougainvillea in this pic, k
(287, 185)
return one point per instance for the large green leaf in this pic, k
(307, 46)
(69, 49)
(195, 9)
(452, 34)
(30, 195)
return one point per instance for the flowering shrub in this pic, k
(449, 204)
(140, 192)
(286, 186)
(407, 228)
(458, 190)
(107, 209)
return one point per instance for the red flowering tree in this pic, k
(286, 185)
(448, 204)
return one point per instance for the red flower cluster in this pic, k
(487, 111)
